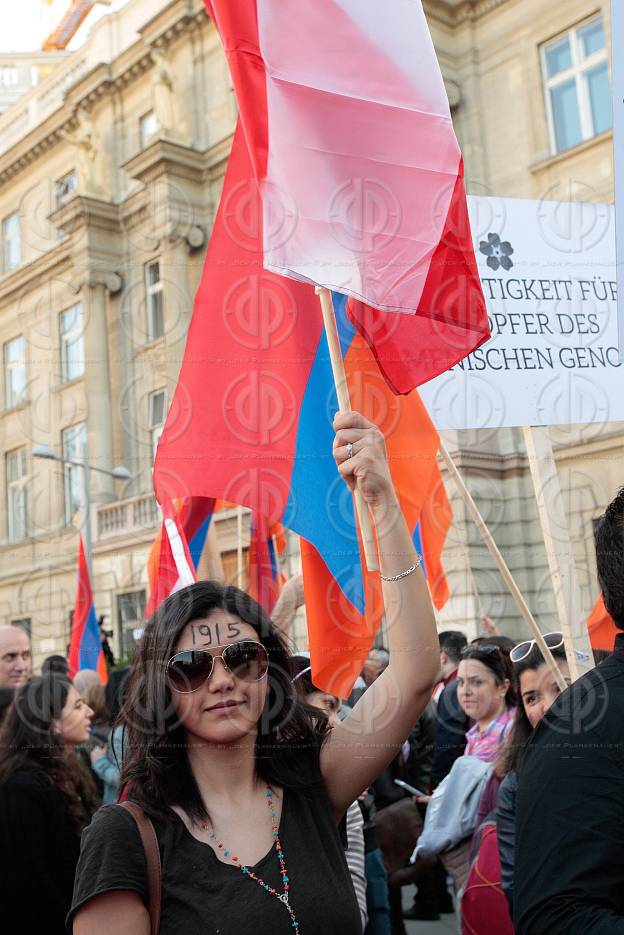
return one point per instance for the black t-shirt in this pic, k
(203, 896)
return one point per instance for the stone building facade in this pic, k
(110, 173)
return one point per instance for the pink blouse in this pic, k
(484, 744)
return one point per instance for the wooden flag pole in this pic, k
(239, 546)
(494, 551)
(344, 405)
(559, 550)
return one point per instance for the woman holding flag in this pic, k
(245, 790)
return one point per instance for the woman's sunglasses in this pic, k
(246, 660)
(484, 648)
(522, 650)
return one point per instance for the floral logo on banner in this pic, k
(497, 252)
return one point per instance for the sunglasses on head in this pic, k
(480, 648)
(522, 650)
(246, 660)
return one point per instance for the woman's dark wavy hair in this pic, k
(496, 659)
(512, 751)
(156, 767)
(28, 741)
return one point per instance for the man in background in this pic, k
(15, 657)
(452, 721)
(570, 808)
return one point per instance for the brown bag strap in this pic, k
(152, 859)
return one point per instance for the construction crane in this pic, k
(70, 24)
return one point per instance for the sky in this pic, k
(32, 20)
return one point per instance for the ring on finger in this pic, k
(349, 450)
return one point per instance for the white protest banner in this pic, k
(617, 71)
(549, 278)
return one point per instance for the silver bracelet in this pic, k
(403, 574)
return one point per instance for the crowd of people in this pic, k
(213, 787)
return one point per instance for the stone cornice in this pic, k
(30, 148)
(68, 257)
(104, 79)
(217, 157)
(455, 12)
(489, 462)
(83, 211)
(168, 24)
(55, 263)
(607, 444)
(166, 157)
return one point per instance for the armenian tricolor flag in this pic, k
(343, 602)
(266, 544)
(258, 371)
(177, 550)
(85, 645)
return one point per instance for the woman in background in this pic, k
(107, 756)
(486, 693)
(537, 690)
(46, 799)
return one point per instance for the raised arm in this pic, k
(286, 606)
(368, 739)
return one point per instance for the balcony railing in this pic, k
(139, 515)
(127, 517)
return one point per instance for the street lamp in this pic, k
(119, 473)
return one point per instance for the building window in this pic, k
(74, 445)
(155, 306)
(25, 624)
(130, 621)
(72, 343)
(16, 498)
(8, 76)
(65, 187)
(14, 357)
(11, 242)
(576, 82)
(156, 417)
(148, 127)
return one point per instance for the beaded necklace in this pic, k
(248, 872)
